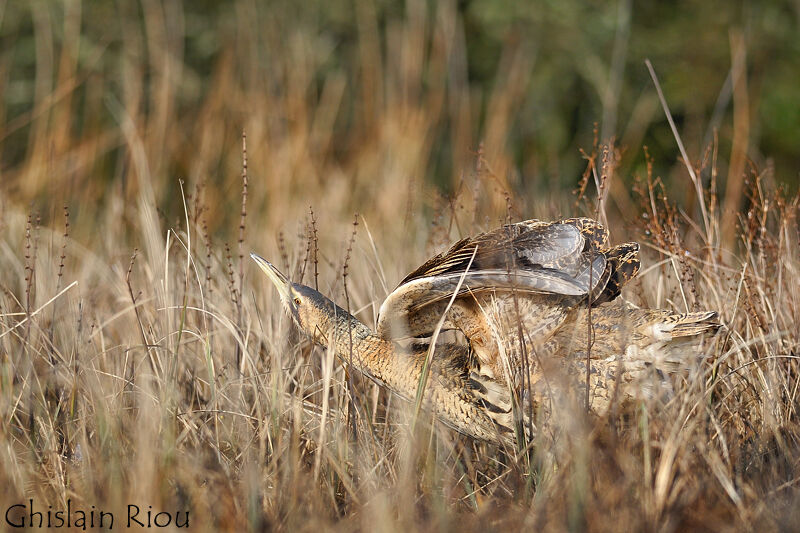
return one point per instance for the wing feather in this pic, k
(513, 246)
(562, 259)
(543, 281)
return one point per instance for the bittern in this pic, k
(527, 294)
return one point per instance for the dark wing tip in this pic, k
(623, 265)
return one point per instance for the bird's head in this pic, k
(314, 313)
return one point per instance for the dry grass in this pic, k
(144, 361)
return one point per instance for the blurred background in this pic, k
(382, 107)
(171, 376)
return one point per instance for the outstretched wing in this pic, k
(529, 244)
(563, 259)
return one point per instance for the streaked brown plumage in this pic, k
(449, 392)
(522, 306)
(529, 274)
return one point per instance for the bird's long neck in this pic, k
(355, 343)
(353, 338)
(400, 370)
(380, 359)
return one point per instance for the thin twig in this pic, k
(315, 251)
(698, 186)
(350, 329)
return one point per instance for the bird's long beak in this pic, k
(275, 276)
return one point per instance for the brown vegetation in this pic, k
(143, 360)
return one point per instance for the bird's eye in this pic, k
(296, 301)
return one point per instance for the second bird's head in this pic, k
(315, 314)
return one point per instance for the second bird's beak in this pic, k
(276, 277)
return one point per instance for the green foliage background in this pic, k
(574, 64)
